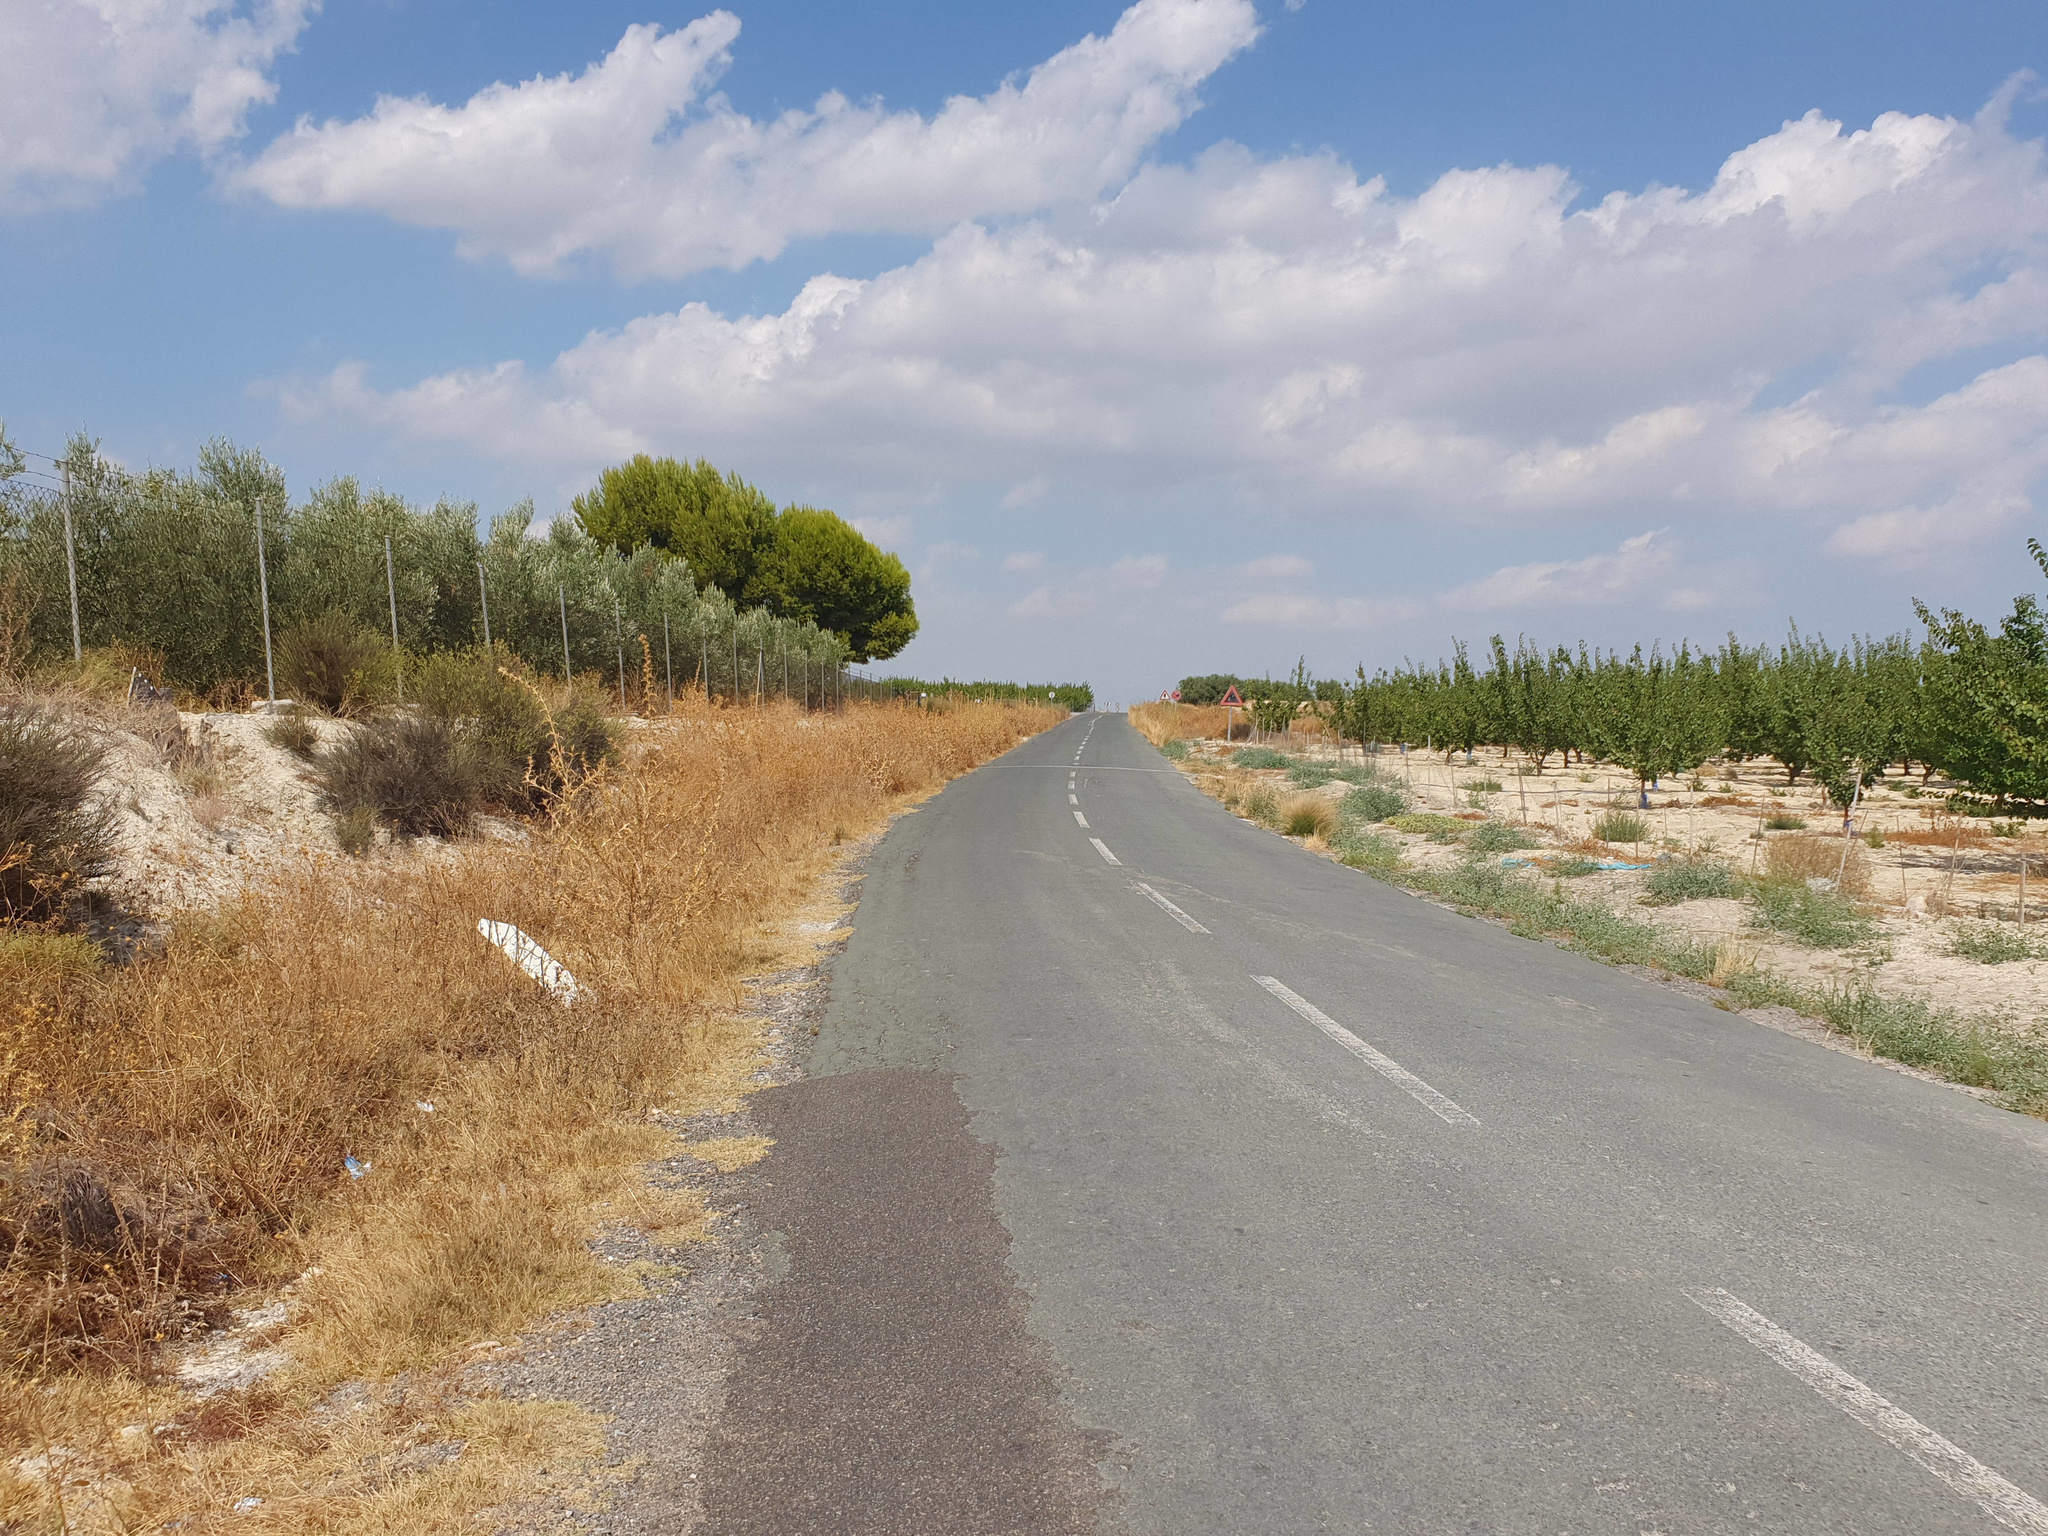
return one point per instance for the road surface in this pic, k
(1154, 1175)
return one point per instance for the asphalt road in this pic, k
(1434, 1229)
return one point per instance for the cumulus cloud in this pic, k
(95, 92)
(1283, 336)
(1641, 565)
(637, 159)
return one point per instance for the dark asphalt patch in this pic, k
(890, 1385)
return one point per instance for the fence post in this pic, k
(619, 633)
(668, 661)
(562, 601)
(761, 675)
(391, 587)
(263, 590)
(484, 593)
(735, 656)
(71, 569)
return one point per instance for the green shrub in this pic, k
(294, 733)
(1498, 837)
(1176, 750)
(1621, 827)
(1572, 866)
(1687, 880)
(356, 830)
(332, 663)
(1784, 822)
(1259, 757)
(1430, 822)
(1375, 802)
(417, 773)
(53, 838)
(1373, 852)
(1817, 918)
(1995, 944)
(1262, 804)
(505, 728)
(1482, 786)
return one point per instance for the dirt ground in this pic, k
(1933, 875)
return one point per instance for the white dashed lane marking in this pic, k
(1170, 909)
(1083, 820)
(1107, 856)
(2012, 1507)
(1386, 1066)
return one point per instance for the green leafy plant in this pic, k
(1259, 757)
(1498, 837)
(1375, 802)
(1175, 750)
(1621, 827)
(1428, 822)
(1687, 880)
(1262, 804)
(1374, 852)
(1784, 822)
(1995, 944)
(1812, 915)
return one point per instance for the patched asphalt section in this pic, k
(889, 1384)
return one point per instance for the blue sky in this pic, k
(1229, 336)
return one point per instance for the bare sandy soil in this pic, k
(1934, 875)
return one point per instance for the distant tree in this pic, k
(820, 568)
(717, 523)
(1990, 697)
(1210, 689)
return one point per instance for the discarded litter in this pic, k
(1596, 863)
(356, 1169)
(530, 958)
(424, 1106)
(243, 1506)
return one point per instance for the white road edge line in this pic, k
(2011, 1507)
(1083, 820)
(1170, 909)
(1386, 1066)
(1108, 857)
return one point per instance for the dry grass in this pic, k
(1161, 723)
(1817, 856)
(1307, 815)
(174, 1133)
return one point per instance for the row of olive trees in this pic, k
(1968, 701)
(166, 565)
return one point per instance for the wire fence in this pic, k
(195, 579)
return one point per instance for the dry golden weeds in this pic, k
(176, 1130)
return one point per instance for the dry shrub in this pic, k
(208, 1095)
(1817, 856)
(1965, 834)
(1306, 815)
(1161, 723)
(53, 836)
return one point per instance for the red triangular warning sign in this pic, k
(1230, 697)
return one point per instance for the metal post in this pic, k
(761, 675)
(562, 599)
(263, 591)
(704, 655)
(391, 587)
(668, 660)
(785, 666)
(71, 569)
(484, 592)
(735, 657)
(619, 633)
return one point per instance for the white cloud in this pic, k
(95, 92)
(1301, 610)
(1024, 560)
(634, 159)
(1286, 338)
(1638, 569)
(1278, 567)
(1026, 492)
(888, 532)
